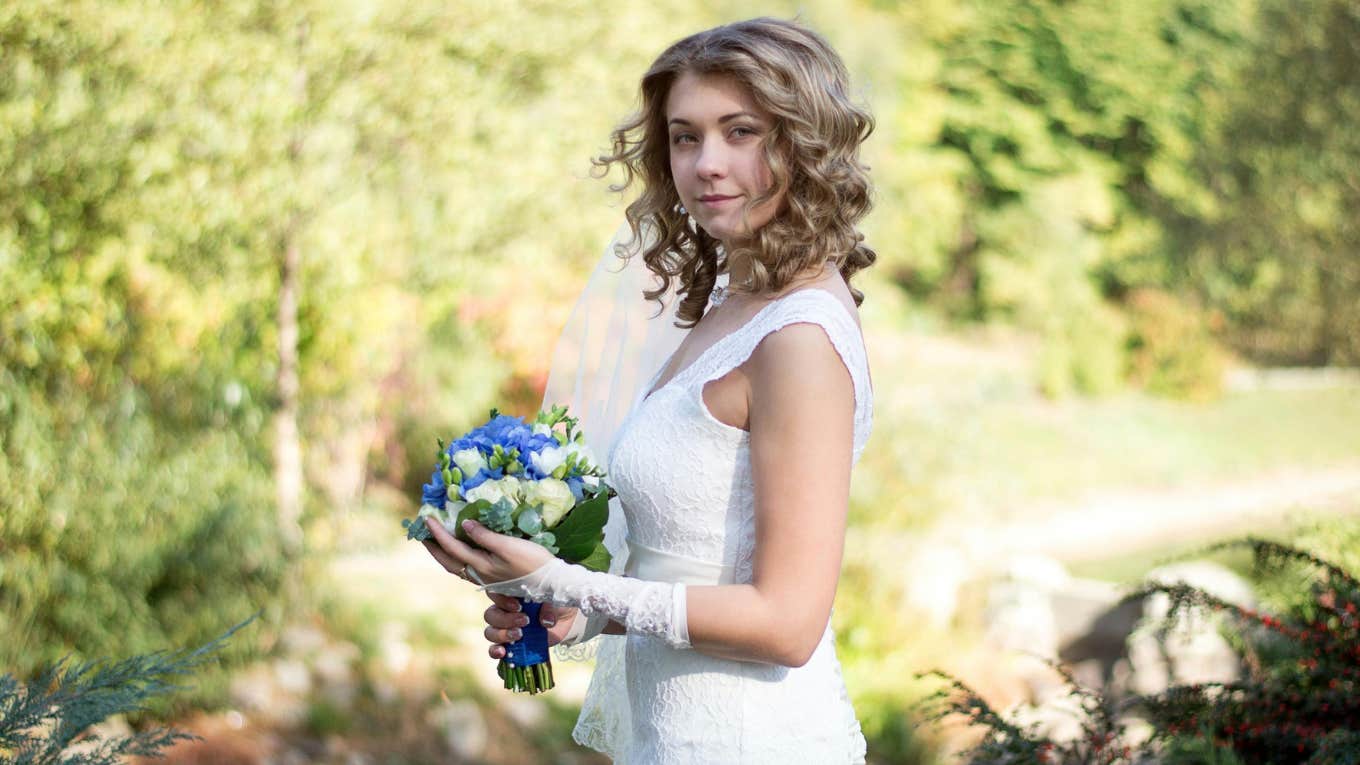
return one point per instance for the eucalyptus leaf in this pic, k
(498, 517)
(530, 521)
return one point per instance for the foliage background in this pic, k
(1144, 194)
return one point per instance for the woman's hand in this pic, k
(499, 558)
(503, 615)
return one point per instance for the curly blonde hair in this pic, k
(812, 152)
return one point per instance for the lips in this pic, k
(715, 199)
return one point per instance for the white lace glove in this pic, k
(584, 629)
(643, 607)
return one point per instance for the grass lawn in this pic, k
(961, 433)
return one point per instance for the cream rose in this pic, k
(554, 497)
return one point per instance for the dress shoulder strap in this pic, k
(806, 306)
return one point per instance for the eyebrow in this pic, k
(721, 120)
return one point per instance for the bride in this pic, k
(733, 463)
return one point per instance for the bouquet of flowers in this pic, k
(536, 481)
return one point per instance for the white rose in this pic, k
(554, 497)
(469, 461)
(584, 456)
(512, 487)
(494, 491)
(548, 459)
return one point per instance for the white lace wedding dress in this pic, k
(684, 482)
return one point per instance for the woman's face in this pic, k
(716, 132)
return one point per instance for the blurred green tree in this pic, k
(1278, 251)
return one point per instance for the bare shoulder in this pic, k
(799, 357)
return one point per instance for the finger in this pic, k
(450, 564)
(504, 619)
(483, 537)
(496, 651)
(547, 615)
(465, 553)
(502, 636)
(506, 602)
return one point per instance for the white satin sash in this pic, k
(651, 564)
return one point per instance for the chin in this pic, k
(717, 230)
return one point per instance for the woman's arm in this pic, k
(802, 406)
(802, 431)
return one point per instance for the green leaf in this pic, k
(416, 529)
(529, 521)
(581, 528)
(598, 559)
(498, 517)
(471, 512)
(545, 540)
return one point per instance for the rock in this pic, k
(292, 677)
(526, 711)
(394, 649)
(301, 640)
(1093, 629)
(1038, 571)
(1019, 613)
(932, 579)
(463, 727)
(1192, 650)
(257, 691)
(333, 666)
(1058, 718)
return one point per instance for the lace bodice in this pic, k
(684, 477)
(684, 483)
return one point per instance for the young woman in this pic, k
(733, 470)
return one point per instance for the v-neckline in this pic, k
(658, 388)
(655, 389)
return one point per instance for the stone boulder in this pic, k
(1192, 650)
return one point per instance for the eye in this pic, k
(680, 138)
(741, 131)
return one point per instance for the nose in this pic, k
(712, 161)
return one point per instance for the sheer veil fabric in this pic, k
(614, 342)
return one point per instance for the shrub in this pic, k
(1299, 703)
(49, 719)
(123, 533)
(1171, 348)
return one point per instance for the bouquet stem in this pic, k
(526, 667)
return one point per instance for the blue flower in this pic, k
(463, 443)
(502, 429)
(434, 492)
(535, 442)
(479, 439)
(473, 481)
(482, 476)
(574, 483)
